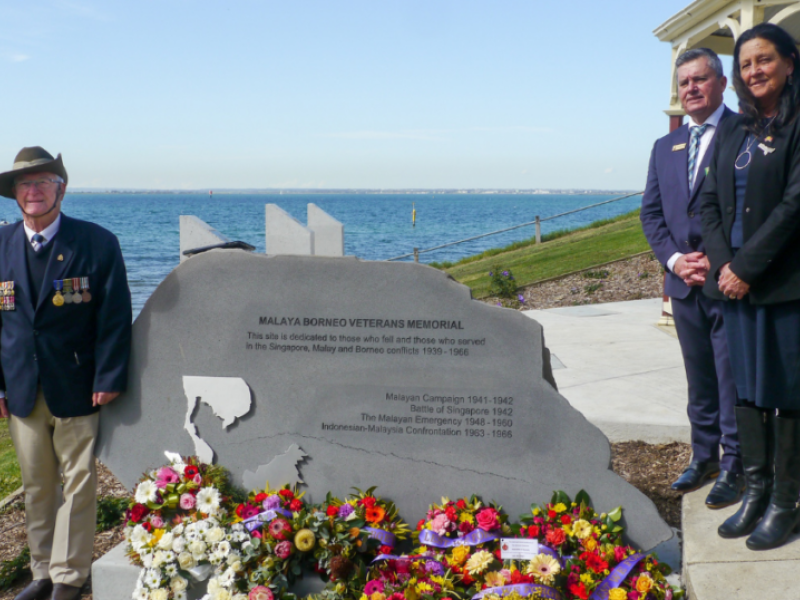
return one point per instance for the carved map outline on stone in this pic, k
(281, 470)
(228, 397)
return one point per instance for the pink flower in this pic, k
(372, 587)
(187, 501)
(633, 595)
(261, 593)
(487, 519)
(619, 553)
(256, 534)
(197, 479)
(156, 521)
(506, 573)
(166, 476)
(283, 550)
(439, 524)
(279, 529)
(249, 511)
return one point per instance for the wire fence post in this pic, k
(538, 230)
(416, 255)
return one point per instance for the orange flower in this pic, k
(374, 514)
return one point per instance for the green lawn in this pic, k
(562, 254)
(9, 469)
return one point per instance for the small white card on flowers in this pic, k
(515, 549)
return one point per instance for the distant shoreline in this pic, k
(410, 192)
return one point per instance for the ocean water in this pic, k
(376, 227)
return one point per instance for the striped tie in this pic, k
(694, 144)
(37, 240)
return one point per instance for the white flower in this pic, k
(186, 560)
(178, 584)
(158, 559)
(240, 597)
(171, 570)
(247, 546)
(233, 557)
(198, 549)
(140, 594)
(159, 594)
(224, 548)
(178, 545)
(226, 579)
(169, 556)
(146, 492)
(236, 566)
(222, 594)
(213, 535)
(165, 543)
(178, 531)
(213, 586)
(182, 596)
(147, 559)
(152, 578)
(208, 501)
(241, 536)
(139, 538)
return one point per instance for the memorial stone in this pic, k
(351, 373)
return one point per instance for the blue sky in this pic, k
(337, 93)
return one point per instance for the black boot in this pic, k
(782, 514)
(755, 433)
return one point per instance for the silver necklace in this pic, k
(747, 152)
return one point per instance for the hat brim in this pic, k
(7, 179)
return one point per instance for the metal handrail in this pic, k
(417, 252)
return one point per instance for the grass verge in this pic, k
(10, 478)
(564, 252)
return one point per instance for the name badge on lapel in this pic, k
(677, 147)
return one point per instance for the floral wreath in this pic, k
(175, 515)
(407, 577)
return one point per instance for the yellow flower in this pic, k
(377, 596)
(586, 578)
(560, 507)
(466, 517)
(617, 594)
(536, 512)
(460, 554)
(644, 583)
(544, 568)
(423, 587)
(590, 544)
(157, 533)
(494, 579)
(567, 527)
(582, 529)
(363, 597)
(304, 540)
(478, 562)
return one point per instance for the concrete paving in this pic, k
(625, 374)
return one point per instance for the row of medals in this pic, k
(76, 290)
(7, 296)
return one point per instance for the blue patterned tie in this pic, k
(37, 240)
(694, 144)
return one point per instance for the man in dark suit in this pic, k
(671, 221)
(64, 347)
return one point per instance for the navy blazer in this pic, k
(71, 350)
(769, 260)
(670, 214)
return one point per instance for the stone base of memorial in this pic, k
(346, 373)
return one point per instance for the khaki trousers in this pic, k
(60, 531)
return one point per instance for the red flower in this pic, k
(467, 579)
(556, 537)
(190, 471)
(516, 576)
(239, 511)
(566, 519)
(147, 526)
(260, 497)
(368, 501)
(533, 531)
(420, 524)
(498, 554)
(296, 505)
(461, 504)
(451, 513)
(487, 519)
(578, 590)
(551, 514)
(332, 510)
(286, 494)
(465, 527)
(594, 562)
(386, 549)
(138, 512)
(249, 510)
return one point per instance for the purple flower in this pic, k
(345, 510)
(272, 502)
(490, 274)
(434, 567)
(505, 273)
(521, 299)
(500, 304)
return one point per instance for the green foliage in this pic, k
(502, 283)
(593, 287)
(110, 512)
(15, 569)
(601, 274)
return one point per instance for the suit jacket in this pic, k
(74, 349)
(670, 214)
(769, 259)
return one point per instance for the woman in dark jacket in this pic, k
(751, 229)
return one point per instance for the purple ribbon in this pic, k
(386, 538)
(405, 557)
(616, 577)
(473, 538)
(523, 589)
(257, 521)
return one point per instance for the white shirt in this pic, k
(705, 140)
(48, 233)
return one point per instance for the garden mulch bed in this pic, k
(651, 468)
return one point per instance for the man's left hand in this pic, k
(696, 269)
(103, 398)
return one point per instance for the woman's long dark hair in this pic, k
(789, 101)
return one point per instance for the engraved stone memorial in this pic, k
(342, 373)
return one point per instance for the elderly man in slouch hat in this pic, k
(65, 329)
